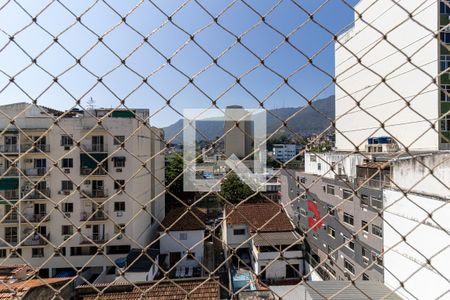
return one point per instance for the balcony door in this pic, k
(98, 231)
(97, 143)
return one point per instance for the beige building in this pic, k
(71, 185)
(238, 132)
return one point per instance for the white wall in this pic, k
(404, 259)
(236, 240)
(171, 243)
(357, 79)
(320, 163)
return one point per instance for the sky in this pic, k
(124, 42)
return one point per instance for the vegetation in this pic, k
(235, 191)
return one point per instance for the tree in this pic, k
(234, 190)
(174, 167)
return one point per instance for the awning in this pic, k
(86, 162)
(9, 184)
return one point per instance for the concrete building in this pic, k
(78, 181)
(264, 239)
(238, 132)
(417, 226)
(385, 67)
(285, 152)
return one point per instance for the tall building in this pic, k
(285, 152)
(67, 187)
(238, 132)
(386, 66)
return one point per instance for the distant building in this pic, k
(96, 185)
(372, 99)
(260, 232)
(238, 134)
(285, 152)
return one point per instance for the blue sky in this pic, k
(119, 82)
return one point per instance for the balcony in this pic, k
(34, 148)
(271, 255)
(9, 172)
(36, 218)
(94, 193)
(372, 183)
(37, 240)
(91, 216)
(38, 194)
(9, 148)
(9, 195)
(35, 171)
(94, 148)
(11, 219)
(95, 238)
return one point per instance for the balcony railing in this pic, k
(373, 183)
(10, 195)
(9, 148)
(96, 238)
(94, 148)
(37, 240)
(35, 148)
(35, 171)
(88, 171)
(94, 194)
(12, 218)
(36, 218)
(38, 194)
(9, 171)
(97, 216)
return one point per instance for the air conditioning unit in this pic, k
(119, 237)
(119, 170)
(66, 147)
(67, 171)
(119, 214)
(67, 214)
(66, 192)
(87, 182)
(59, 192)
(66, 237)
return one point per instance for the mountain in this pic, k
(306, 121)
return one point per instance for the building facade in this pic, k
(68, 187)
(374, 60)
(285, 152)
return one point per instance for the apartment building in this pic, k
(71, 186)
(392, 76)
(285, 152)
(238, 132)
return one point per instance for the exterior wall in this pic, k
(171, 243)
(320, 164)
(429, 239)
(234, 241)
(238, 140)
(319, 240)
(139, 190)
(276, 269)
(357, 81)
(285, 152)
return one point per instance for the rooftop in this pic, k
(256, 215)
(276, 238)
(199, 289)
(181, 218)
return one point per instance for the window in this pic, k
(364, 200)
(331, 210)
(445, 89)
(120, 249)
(66, 141)
(377, 230)
(119, 206)
(183, 236)
(365, 254)
(364, 226)
(119, 139)
(331, 232)
(66, 185)
(330, 270)
(292, 271)
(66, 229)
(313, 158)
(349, 266)
(37, 252)
(118, 227)
(444, 7)
(190, 255)
(78, 251)
(445, 35)
(376, 202)
(238, 231)
(11, 234)
(347, 195)
(350, 244)
(303, 212)
(377, 258)
(365, 277)
(330, 189)
(445, 123)
(67, 207)
(348, 219)
(119, 161)
(2, 252)
(119, 184)
(319, 166)
(67, 163)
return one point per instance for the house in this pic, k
(264, 240)
(199, 289)
(38, 288)
(139, 266)
(182, 234)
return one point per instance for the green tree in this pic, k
(174, 167)
(234, 190)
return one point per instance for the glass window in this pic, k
(330, 189)
(66, 141)
(119, 139)
(183, 236)
(67, 207)
(377, 230)
(349, 266)
(444, 7)
(119, 206)
(350, 244)
(445, 35)
(376, 202)
(66, 185)
(445, 92)
(239, 231)
(445, 123)
(67, 163)
(37, 252)
(365, 200)
(364, 226)
(347, 194)
(119, 162)
(331, 232)
(365, 277)
(348, 219)
(66, 229)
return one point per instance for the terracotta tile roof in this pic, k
(28, 284)
(198, 289)
(255, 215)
(193, 220)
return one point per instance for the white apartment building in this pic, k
(417, 266)
(379, 93)
(285, 152)
(56, 187)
